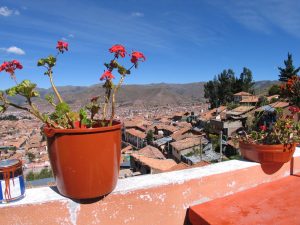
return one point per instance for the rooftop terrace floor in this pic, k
(277, 203)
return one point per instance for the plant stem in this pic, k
(59, 97)
(104, 108)
(13, 76)
(53, 86)
(114, 100)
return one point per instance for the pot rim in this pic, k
(274, 145)
(50, 132)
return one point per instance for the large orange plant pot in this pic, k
(85, 162)
(267, 153)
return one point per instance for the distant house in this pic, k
(215, 113)
(186, 146)
(180, 116)
(146, 165)
(251, 100)
(135, 137)
(227, 126)
(164, 130)
(150, 152)
(163, 144)
(182, 166)
(239, 112)
(270, 98)
(237, 97)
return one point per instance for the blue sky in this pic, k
(183, 40)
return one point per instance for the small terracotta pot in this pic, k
(85, 162)
(267, 153)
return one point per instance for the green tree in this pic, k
(274, 90)
(30, 156)
(226, 86)
(211, 92)
(262, 100)
(30, 176)
(149, 136)
(221, 89)
(246, 81)
(289, 70)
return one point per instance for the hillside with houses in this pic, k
(190, 138)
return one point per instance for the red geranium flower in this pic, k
(118, 50)
(294, 109)
(135, 56)
(107, 75)
(288, 126)
(11, 66)
(263, 127)
(62, 46)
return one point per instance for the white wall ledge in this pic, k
(128, 185)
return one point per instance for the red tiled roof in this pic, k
(240, 110)
(178, 135)
(166, 127)
(186, 143)
(158, 164)
(242, 93)
(211, 113)
(151, 152)
(126, 149)
(251, 99)
(279, 104)
(136, 133)
(272, 96)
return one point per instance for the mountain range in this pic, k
(148, 95)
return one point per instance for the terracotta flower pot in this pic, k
(85, 162)
(267, 153)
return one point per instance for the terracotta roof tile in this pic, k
(136, 133)
(158, 164)
(242, 93)
(279, 104)
(151, 152)
(240, 110)
(251, 99)
(186, 143)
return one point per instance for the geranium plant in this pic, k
(63, 117)
(285, 130)
(291, 90)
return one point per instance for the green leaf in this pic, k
(62, 108)
(2, 108)
(84, 117)
(51, 60)
(41, 62)
(25, 88)
(12, 91)
(49, 98)
(122, 70)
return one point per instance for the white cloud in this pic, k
(13, 50)
(71, 35)
(5, 11)
(137, 14)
